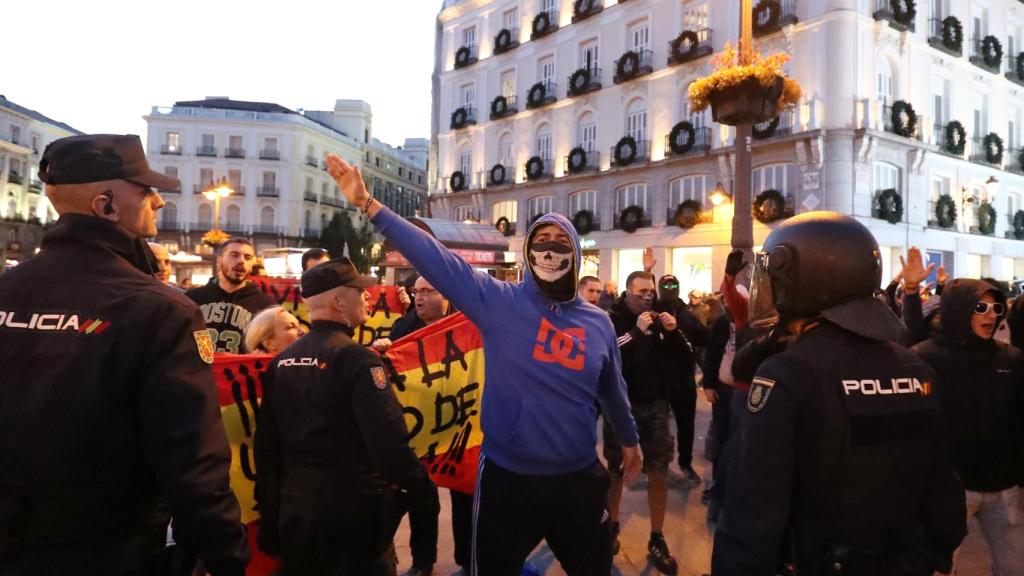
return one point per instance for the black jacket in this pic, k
(108, 413)
(718, 339)
(330, 426)
(852, 471)
(650, 361)
(227, 314)
(981, 386)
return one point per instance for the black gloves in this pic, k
(734, 263)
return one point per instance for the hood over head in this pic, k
(565, 289)
(958, 300)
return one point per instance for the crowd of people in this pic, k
(855, 430)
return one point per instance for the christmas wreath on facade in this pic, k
(1020, 66)
(503, 41)
(579, 81)
(462, 56)
(991, 51)
(583, 222)
(499, 106)
(682, 138)
(987, 219)
(1020, 159)
(541, 24)
(534, 168)
(768, 130)
(769, 206)
(687, 214)
(890, 206)
(945, 211)
(457, 181)
(582, 8)
(538, 92)
(904, 119)
(685, 46)
(953, 33)
(956, 138)
(904, 11)
(993, 148)
(628, 66)
(766, 15)
(577, 160)
(497, 174)
(459, 117)
(1018, 225)
(503, 226)
(631, 218)
(625, 151)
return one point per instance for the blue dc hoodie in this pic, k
(547, 362)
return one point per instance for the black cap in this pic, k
(99, 157)
(331, 274)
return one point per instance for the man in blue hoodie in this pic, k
(550, 356)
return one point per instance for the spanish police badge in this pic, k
(205, 345)
(380, 377)
(760, 389)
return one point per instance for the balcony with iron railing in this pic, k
(309, 196)
(268, 192)
(624, 154)
(268, 154)
(503, 107)
(1015, 160)
(583, 81)
(462, 117)
(199, 226)
(170, 149)
(331, 201)
(948, 139)
(690, 45)
(782, 125)
(209, 151)
(984, 54)
(466, 56)
(544, 23)
(583, 9)
(645, 220)
(36, 185)
(15, 178)
(1015, 68)
(506, 39)
(895, 13)
(234, 152)
(982, 154)
(633, 64)
(889, 124)
(580, 160)
(686, 144)
(947, 35)
(312, 161)
(770, 17)
(268, 230)
(541, 94)
(546, 168)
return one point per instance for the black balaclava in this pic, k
(553, 267)
(668, 289)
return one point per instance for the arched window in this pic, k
(323, 220)
(540, 205)
(586, 131)
(543, 143)
(234, 217)
(688, 188)
(885, 81)
(308, 219)
(884, 176)
(205, 214)
(506, 209)
(636, 119)
(267, 216)
(698, 119)
(466, 161)
(632, 195)
(464, 212)
(584, 200)
(781, 177)
(506, 150)
(169, 214)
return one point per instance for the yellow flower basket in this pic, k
(745, 93)
(215, 238)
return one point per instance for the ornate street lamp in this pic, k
(214, 192)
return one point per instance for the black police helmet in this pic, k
(818, 260)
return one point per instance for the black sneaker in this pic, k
(615, 539)
(658, 555)
(691, 477)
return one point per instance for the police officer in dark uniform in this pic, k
(109, 419)
(331, 436)
(841, 455)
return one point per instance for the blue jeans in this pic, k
(1002, 525)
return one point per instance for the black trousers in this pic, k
(514, 512)
(348, 537)
(423, 527)
(683, 400)
(462, 528)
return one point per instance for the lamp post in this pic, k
(742, 219)
(215, 191)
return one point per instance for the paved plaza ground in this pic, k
(686, 529)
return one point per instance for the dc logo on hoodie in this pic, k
(565, 347)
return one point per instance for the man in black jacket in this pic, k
(330, 439)
(649, 342)
(981, 387)
(109, 419)
(230, 300)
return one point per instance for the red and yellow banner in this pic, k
(438, 375)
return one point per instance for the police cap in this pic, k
(331, 274)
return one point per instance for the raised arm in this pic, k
(466, 288)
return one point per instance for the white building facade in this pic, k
(271, 156)
(521, 84)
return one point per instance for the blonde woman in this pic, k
(272, 330)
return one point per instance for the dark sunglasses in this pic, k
(984, 307)
(670, 286)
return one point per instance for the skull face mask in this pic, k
(552, 264)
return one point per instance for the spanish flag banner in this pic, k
(438, 375)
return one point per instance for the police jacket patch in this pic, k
(760, 390)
